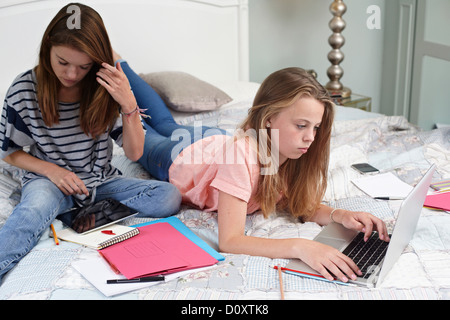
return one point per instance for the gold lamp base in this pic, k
(343, 93)
(336, 41)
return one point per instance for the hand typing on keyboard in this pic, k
(362, 222)
(330, 262)
(366, 254)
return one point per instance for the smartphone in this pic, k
(365, 168)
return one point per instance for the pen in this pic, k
(389, 198)
(54, 235)
(144, 279)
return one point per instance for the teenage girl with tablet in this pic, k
(65, 112)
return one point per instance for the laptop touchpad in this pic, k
(332, 242)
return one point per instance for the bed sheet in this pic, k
(390, 143)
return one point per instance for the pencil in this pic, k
(280, 277)
(54, 235)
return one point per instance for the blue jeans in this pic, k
(42, 202)
(164, 138)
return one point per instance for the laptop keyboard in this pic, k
(367, 255)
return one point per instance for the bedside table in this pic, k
(355, 101)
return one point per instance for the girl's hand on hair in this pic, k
(68, 182)
(363, 222)
(116, 83)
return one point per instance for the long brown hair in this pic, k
(301, 182)
(98, 110)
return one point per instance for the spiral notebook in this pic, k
(100, 238)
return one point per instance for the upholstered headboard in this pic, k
(207, 38)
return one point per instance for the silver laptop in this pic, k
(378, 257)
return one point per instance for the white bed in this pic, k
(209, 39)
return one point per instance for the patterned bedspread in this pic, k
(389, 143)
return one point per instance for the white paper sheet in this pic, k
(383, 185)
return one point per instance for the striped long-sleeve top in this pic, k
(64, 144)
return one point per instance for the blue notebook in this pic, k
(180, 226)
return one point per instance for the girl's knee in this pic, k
(173, 201)
(163, 200)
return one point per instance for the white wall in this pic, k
(286, 33)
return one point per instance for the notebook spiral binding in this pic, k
(118, 239)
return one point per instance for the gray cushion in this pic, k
(184, 92)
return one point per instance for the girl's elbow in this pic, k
(227, 246)
(134, 155)
(224, 248)
(133, 148)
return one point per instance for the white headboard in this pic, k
(207, 38)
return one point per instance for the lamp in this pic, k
(336, 41)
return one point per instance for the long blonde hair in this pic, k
(301, 182)
(98, 110)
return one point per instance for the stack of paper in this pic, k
(180, 226)
(157, 249)
(97, 271)
(164, 246)
(441, 186)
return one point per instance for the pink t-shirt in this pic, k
(217, 163)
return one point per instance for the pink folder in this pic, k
(438, 201)
(158, 249)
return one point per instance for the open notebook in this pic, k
(100, 238)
